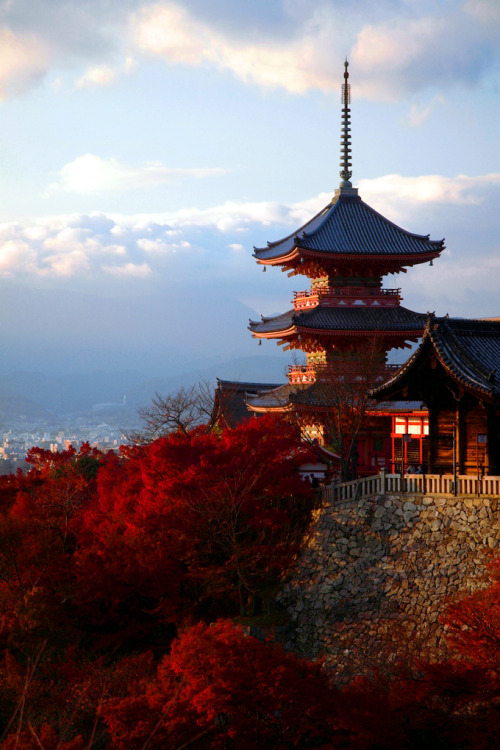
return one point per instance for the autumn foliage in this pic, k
(123, 578)
(228, 690)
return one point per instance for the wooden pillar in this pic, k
(493, 448)
(461, 437)
(433, 435)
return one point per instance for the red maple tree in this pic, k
(222, 688)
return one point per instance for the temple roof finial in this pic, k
(345, 140)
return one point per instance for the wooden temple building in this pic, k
(230, 401)
(456, 373)
(345, 251)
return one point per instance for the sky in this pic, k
(146, 147)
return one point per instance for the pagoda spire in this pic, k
(345, 140)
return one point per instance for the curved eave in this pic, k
(470, 386)
(269, 409)
(316, 220)
(281, 260)
(398, 381)
(407, 334)
(329, 257)
(384, 391)
(288, 333)
(470, 381)
(373, 412)
(357, 230)
(295, 330)
(404, 259)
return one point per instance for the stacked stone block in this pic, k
(376, 573)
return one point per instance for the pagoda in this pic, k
(345, 251)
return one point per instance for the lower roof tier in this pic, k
(314, 396)
(332, 321)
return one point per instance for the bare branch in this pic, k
(180, 411)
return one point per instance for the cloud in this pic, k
(23, 62)
(97, 77)
(141, 271)
(214, 245)
(233, 216)
(65, 264)
(398, 196)
(16, 255)
(459, 286)
(38, 37)
(419, 114)
(405, 54)
(395, 49)
(484, 11)
(161, 246)
(83, 247)
(93, 174)
(170, 31)
(105, 75)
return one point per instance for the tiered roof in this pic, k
(349, 246)
(348, 242)
(468, 350)
(340, 321)
(349, 229)
(230, 400)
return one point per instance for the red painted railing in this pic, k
(345, 294)
(325, 373)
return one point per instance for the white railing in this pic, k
(413, 484)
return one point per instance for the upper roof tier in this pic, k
(347, 230)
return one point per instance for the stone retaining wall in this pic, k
(376, 573)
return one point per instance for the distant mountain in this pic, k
(258, 369)
(14, 405)
(70, 393)
(38, 395)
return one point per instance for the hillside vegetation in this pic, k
(122, 579)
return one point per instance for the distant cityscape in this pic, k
(106, 431)
(98, 407)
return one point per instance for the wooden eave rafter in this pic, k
(391, 261)
(392, 390)
(281, 260)
(311, 408)
(406, 335)
(410, 257)
(398, 413)
(475, 390)
(287, 333)
(282, 408)
(291, 335)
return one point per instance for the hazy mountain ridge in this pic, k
(41, 395)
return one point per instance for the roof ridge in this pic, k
(333, 206)
(294, 234)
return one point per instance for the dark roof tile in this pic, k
(349, 226)
(468, 349)
(338, 319)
